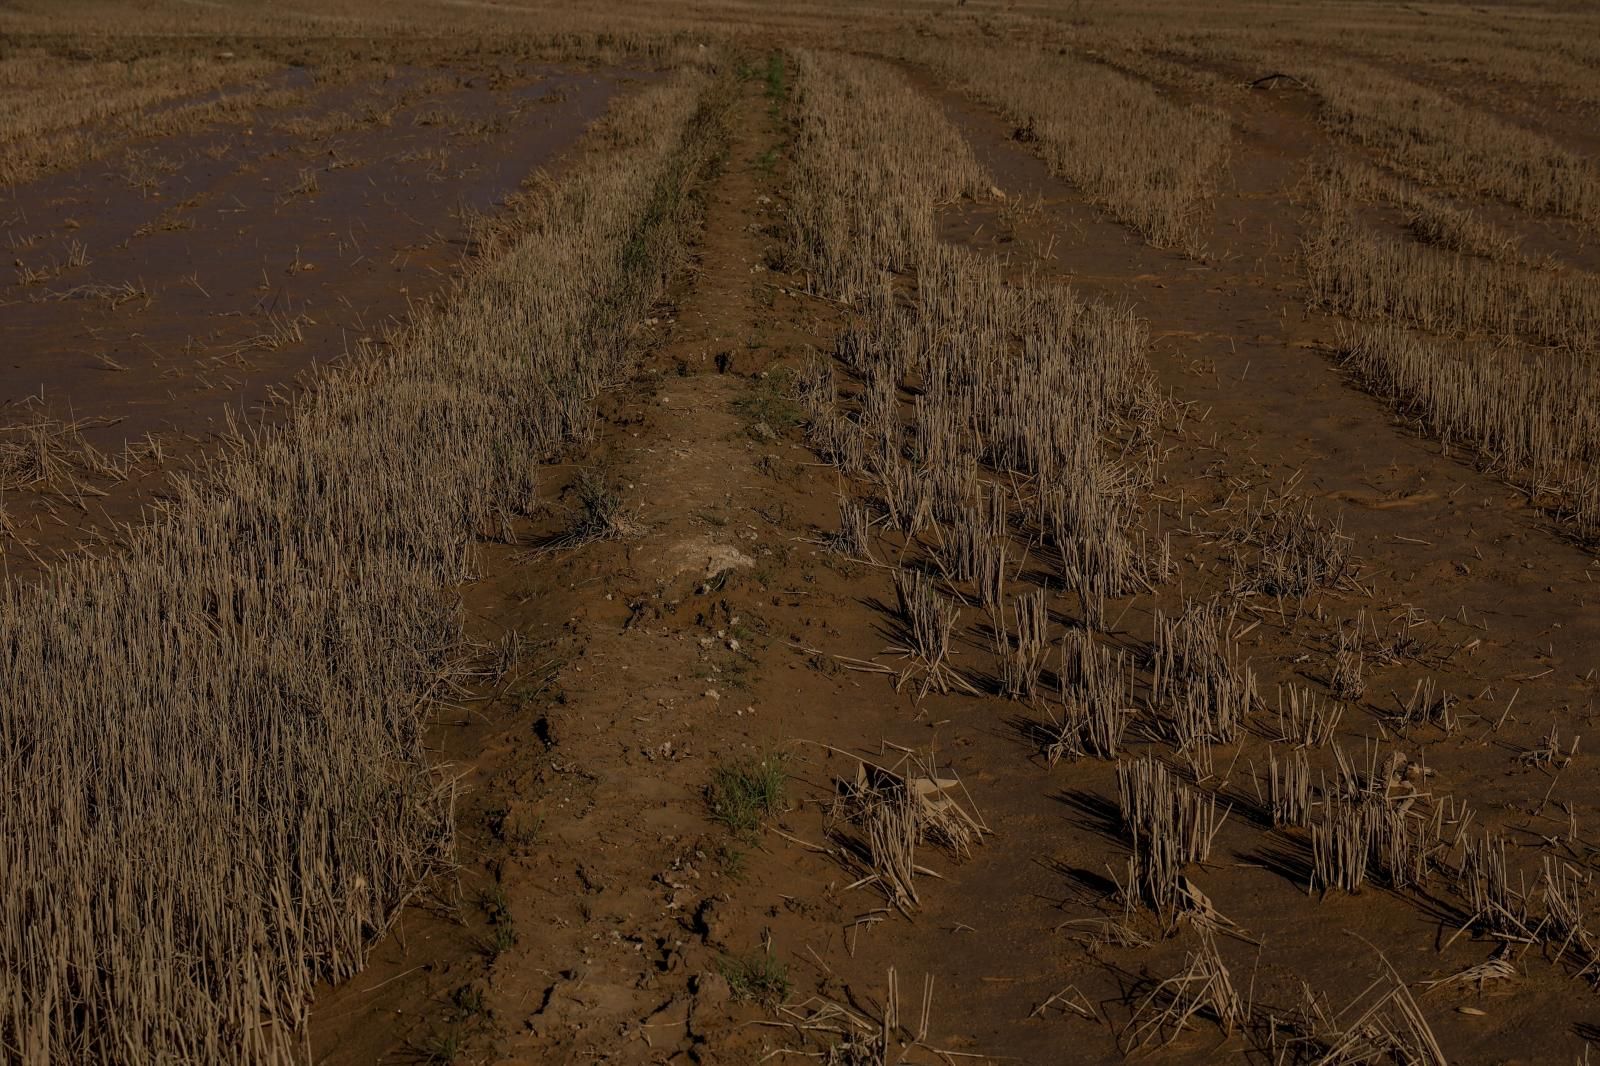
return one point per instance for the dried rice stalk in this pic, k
(897, 810)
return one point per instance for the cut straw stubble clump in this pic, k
(929, 620)
(1341, 842)
(1430, 136)
(1522, 401)
(1204, 988)
(1305, 719)
(854, 539)
(893, 812)
(1169, 825)
(816, 387)
(961, 491)
(69, 111)
(906, 494)
(1096, 697)
(1022, 653)
(1289, 793)
(837, 1035)
(1375, 823)
(873, 158)
(1430, 219)
(1384, 1023)
(1199, 688)
(1501, 906)
(1348, 679)
(1532, 417)
(1428, 704)
(1351, 270)
(216, 737)
(1496, 905)
(837, 440)
(1152, 163)
(1283, 548)
(979, 410)
(972, 548)
(1565, 928)
(38, 450)
(1090, 525)
(971, 555)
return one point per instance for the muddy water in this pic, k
(197, 280)
(158, 290)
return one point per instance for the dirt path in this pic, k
(587, 927)
(601, 906)
(611, 951)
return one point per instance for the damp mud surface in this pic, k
(189, 283)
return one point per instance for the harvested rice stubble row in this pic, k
(218, 787)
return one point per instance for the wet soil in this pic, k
(196, 279)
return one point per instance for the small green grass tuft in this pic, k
(744, 793)
(446, 1046)
(770, 408)
(777, 78)
(501, 939)
(731, 858)
(469, 1001)
(599, 514)
(495, 904)
(502, 927)
(756, 978)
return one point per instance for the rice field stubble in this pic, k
(1101, 663)
(198, 776)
